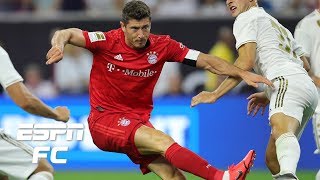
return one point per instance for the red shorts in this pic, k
(115, 133)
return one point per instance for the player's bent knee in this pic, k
(277, 130)
(281, 124)
(164, 142)
(160, 141)
(44, 165)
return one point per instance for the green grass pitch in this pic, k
(100, 175)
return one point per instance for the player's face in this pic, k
(136, 32)
(237, 7)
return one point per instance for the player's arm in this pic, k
(302, 55)
(11, 81)
(302, 45)
(238, 70)
(306, 64)
(60, 38)
(245, 61)
(315, 78)
(30, 103)
(304, 39)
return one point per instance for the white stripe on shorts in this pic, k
(16, 143)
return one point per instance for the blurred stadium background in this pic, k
(222, 133)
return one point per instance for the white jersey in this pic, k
(16, 157)
(277, 53)
(307, 34)
(8, 74)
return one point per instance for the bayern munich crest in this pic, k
(123, 122)
(152, 57)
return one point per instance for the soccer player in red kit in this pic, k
(126, 66)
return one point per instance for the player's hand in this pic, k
(256, 102)
(203, 97)
(253, 79)
(55, 54)
(63, 113)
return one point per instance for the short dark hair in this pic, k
(135, 10)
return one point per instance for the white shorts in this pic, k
(15, 158)
(295, 96)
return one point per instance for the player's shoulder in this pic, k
(4, 57)
(250, 14)
(3, 52)
(244, 18)
(109, 38)
(160, 39)
(307, 19)
(113, 34)
(312, 15)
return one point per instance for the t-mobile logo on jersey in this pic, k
(140, 73)
(45, 132)
(130, 72)
(111, 67)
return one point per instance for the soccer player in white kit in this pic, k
(269, 48)
(16, 157)
(307, 34)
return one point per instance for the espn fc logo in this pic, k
(45, 132)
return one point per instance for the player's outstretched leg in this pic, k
(151, 141)
(186, 160)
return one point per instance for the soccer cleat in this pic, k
(240, 171)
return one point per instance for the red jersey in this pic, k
(122, 79)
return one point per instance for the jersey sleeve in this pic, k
(94, 40)
(8, 74)
(302, 38)
(245, 31)
(176, 51)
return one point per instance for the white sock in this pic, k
(226, 176)
(316, 131)
(318, 175)
(42, 175)
(288, 153)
